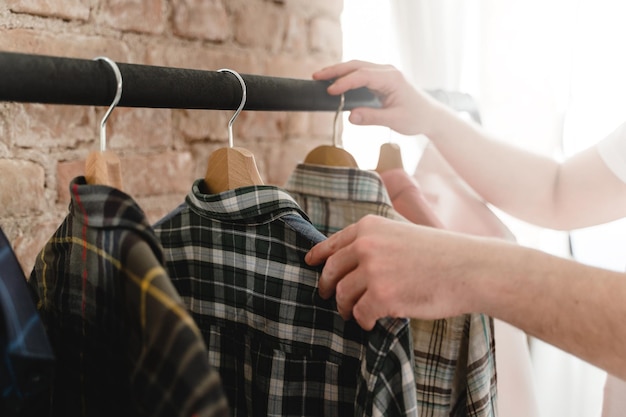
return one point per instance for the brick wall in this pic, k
(162, 150)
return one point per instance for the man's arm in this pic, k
(579, 192)
(378, 267)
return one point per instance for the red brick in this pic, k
(158, 174)
(322, 124)
(297, 124)
(326, 36)
(268, 126)
(296, 66)
(260, 27)
(6, 113)
(290, 38)
(143, 16)
(65, 172)
(53, 126)
(282, 160)
(32, 237)
(21, 188)
(142, 175)
(213, 124)
(56, 126)
(65, 9)
(155, 208)
(196, 125)
(62, 44)
(201, 19)
(296, 34)
(202, 57)
(138, 128)
(309, 8)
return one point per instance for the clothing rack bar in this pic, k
(56, 80)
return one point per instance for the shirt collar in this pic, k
(256, 202)
(104, 207)
(341, 183)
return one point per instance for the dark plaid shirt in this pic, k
(237, 259)
(455, 368)
(26, 358)
(124, 342)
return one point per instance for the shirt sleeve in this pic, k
(612, 149)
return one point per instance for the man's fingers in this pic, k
(357, 79)
(338, 266)
(320, 252)
(341, 69)
(348, 292)
(355, 74)
(366, 312)
(371, 116)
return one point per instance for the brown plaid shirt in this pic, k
(124, 342)
(455, 368)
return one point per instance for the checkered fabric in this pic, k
(455, 369)
(26, 357)
(237, 259)
(124, 342)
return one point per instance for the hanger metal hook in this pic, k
(337, 119)
(243, 103)
(118, 95)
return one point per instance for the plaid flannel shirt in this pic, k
(124, 342)
(455, 367)
(237, 259)
(26, 358)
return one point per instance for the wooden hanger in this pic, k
(232, 167)
(389, 157)
(332, 155)
(103, 167)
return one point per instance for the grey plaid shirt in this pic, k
(455, 367)
(124, 342)
(237, 259)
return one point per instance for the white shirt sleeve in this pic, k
(614, 398)
(612, 149)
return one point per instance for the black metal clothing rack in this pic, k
(32, 78)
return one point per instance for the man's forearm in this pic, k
(578, 308)
(513, 179)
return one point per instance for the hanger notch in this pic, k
(103, 167)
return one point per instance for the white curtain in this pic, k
(533, 68)
(548, 75)
(437, 40)
(440, 49)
